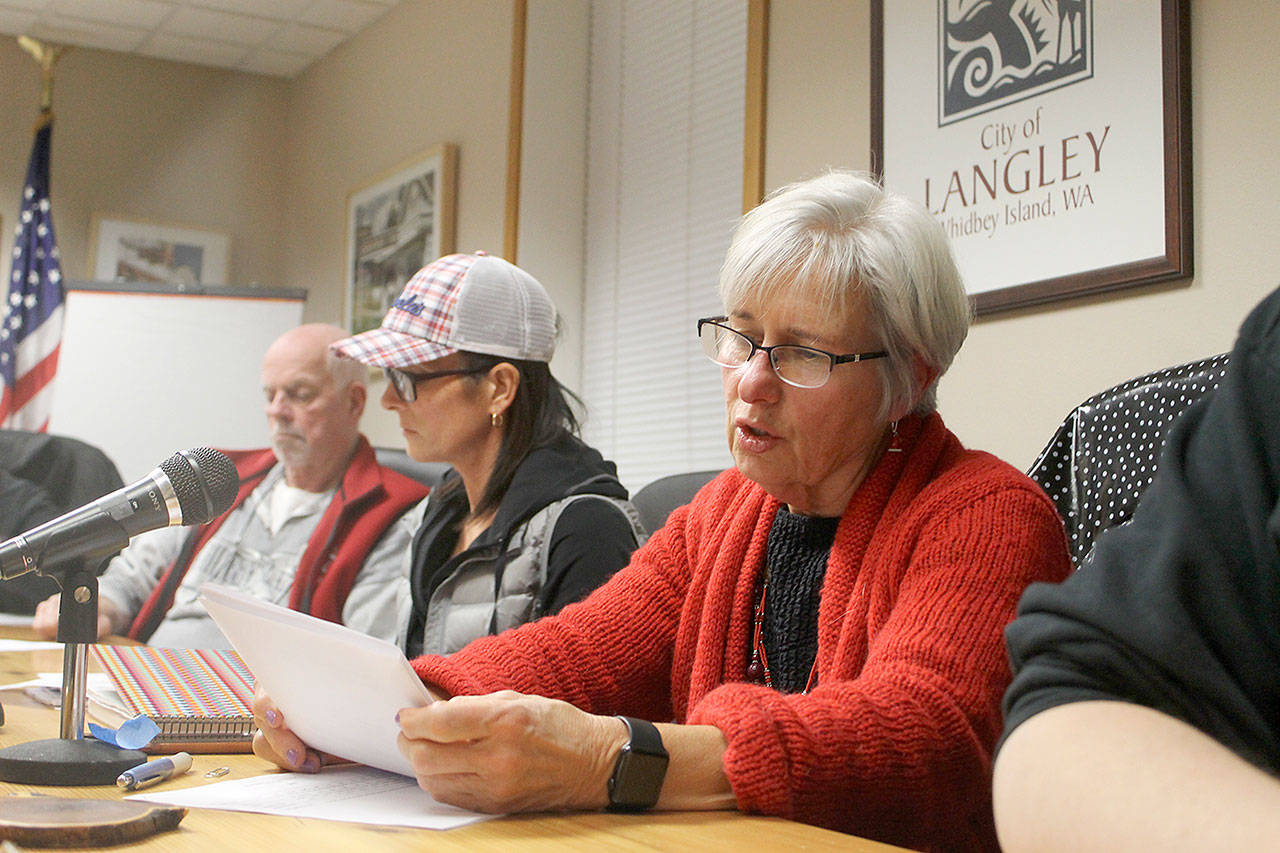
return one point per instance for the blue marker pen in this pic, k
(148, 774)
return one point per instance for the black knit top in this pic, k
(796, 562)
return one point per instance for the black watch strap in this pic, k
(640, 769)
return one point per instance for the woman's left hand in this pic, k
(508, 752)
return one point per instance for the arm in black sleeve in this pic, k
(1178, 609)
(592, 540)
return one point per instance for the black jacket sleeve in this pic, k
(592, 540)
(1179, 610)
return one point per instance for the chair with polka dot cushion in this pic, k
(1104, 455)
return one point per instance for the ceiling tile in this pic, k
(23, 5)
(129, 13)
(298, 38)
(220, 26)
(15, 20)
(281, 10)
(344, 15)
(88, 34)
(276, 63)
(237, 34)
(199, 51)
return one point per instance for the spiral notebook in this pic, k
(200, 698)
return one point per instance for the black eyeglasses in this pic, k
(803, 367)
(406, 383)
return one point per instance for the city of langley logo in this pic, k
(997, 52)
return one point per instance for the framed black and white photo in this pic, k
(131, 250)
(1050, 138)
(395, 226)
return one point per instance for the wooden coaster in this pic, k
(65, 822)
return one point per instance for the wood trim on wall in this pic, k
(515, 130)
(753, 128)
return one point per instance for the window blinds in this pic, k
(664, 189)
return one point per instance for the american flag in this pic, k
(31, 334)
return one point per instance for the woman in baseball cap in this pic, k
(530, 518)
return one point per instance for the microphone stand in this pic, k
(71, 758)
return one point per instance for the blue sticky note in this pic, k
(134, 734)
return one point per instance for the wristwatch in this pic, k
(641, 766)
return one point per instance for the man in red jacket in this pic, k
(313, 524)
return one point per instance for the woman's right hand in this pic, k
(275, 742)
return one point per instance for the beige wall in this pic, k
(151, 139)
(426, 73)
(1020, 373)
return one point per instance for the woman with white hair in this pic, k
(819, 632)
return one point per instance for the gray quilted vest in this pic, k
(472, 602)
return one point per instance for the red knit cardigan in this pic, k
(895, 742)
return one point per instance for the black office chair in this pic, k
(1104, 455)
(429, 474)
(70, 473)
(655, 501)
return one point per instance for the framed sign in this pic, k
(395, 226)
(124, 249)
(1051, 140)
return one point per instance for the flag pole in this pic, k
(47, 55)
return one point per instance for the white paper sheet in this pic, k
(349, 793)
(94, 681)
(339, 690)
(27, 645)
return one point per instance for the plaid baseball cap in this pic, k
(478, 303)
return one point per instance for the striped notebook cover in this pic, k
(195, 696)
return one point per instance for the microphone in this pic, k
(190, 487)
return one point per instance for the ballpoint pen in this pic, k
(148, 774)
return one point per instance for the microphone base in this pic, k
(61, 761)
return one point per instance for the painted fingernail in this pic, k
(311, 765)
(292, 757)
(397, 716)
(273, 717)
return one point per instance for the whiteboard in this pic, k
(143, 373)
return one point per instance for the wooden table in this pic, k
(211, 830)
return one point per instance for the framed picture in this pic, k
(124, 249)
(1052, 140)
(395, 226)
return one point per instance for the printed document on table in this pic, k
(348, 793)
